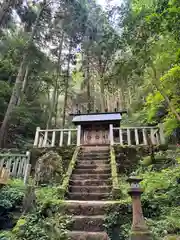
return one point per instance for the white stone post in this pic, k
(27, 173)
(61, 138)
(161, 132)
(53, 139)
(111, 138)
(79, 135)
(136, 136)
(120, 137)
(69, 138)
(36, 140)
(128, 136)
(144, 137)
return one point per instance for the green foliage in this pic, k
(160, 200)
(123, 187)
(118, 221)
(48, 195)
(12, 195)
(35, 226)
(46, 222)
(114, 170)
(5, 235)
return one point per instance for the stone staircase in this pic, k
(89, 190)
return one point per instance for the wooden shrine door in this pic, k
(96, 137)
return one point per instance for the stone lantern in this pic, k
(139, 229)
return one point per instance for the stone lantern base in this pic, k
(138, 235)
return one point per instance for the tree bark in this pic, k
(162, 92)
(66, 87)
(102, 88)
(5, 8)
(23, 85)
(18, 83)
(55, 93)
(102, 94)
(88, 84)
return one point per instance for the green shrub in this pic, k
(47, 195)
(12, 195)
(36, 226)
(118, 221)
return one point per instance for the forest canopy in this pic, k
(56, 55)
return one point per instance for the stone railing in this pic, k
(137, 135)
(57, 137)
(17, 164)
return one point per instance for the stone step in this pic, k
(90, 176)
(90, 189)
(88, 223)
(94, 156)
(95, 150)
(86, 208)
(88, 196)
(80, 235)
(94, 159)
(94, 153)
(90, 182)
(92, 162)
(94, 165)
(92, 171)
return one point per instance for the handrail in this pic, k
(16, 163)
(58, 130)
(137, 135)
(146, 127)
(56, 137)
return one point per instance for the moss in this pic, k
(147, 161)
(127, 159)
(66, 152)
(114, 175)
(65, 184)
(19, 224)
(172, 237)
(118, 220)
(140, 235)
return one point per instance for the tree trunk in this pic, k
(23, 85)
(88, 84)
(55, 93)
(162, 92)
(18, 83)
(102, 94)
(5, 8)
(66, 87)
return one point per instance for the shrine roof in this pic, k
(97, 117)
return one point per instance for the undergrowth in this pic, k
(160, 200)
(44, 222)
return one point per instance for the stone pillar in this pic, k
(139, 229)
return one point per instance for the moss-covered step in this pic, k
(94, 151)
(88, 223)
(98, 170)
(80, 235)
(94, 165)
(90, 176)
(93, 162)
(94, 157)
(90, 189)
(88, 208)
(88, 196)
(90, 182)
